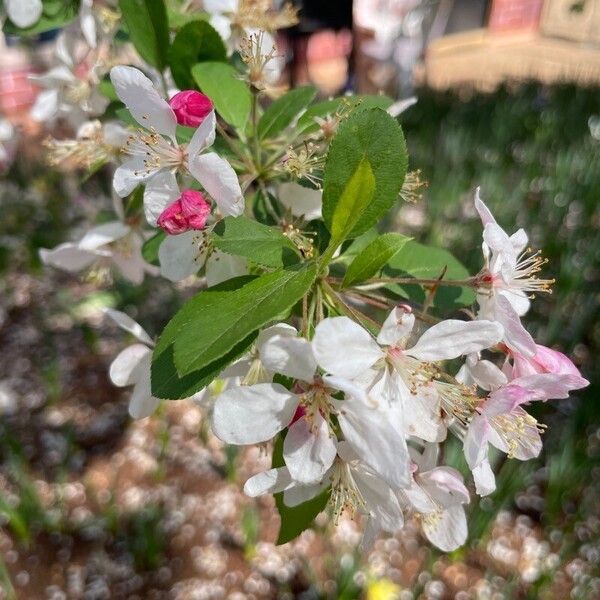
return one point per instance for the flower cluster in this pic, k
(300, 336)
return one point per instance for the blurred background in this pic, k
(96, 506)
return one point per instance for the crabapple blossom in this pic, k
(189, 211)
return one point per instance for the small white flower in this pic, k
(508, 276)
(156, 155)
(23, 13)
(110, 244)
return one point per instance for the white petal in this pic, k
(203, 137)
(519, 240)
(289, 356)
(344, 348)
(484, 212)
(220, 6)
(299, 494)
(115, 134)
(253, 414)
(129, 365)
(309, 450)
(126, 323)
(23, 13)
(130, 174)
(272, 481)
(378, 442)
(396, 328)
(68, 257)
(445, 485)
(103, 234)
(139, 95)
(483, 476)
(87, 22)
(452, 338)
(518, 300)
(221, 267)
(142, 403)
(447, 530)
(160, 191)
(179, 256)
(476, 441)
(422, 414)
(280, 329)
(45, 106)
(221, 24)
(400, 106)
(485, 374)
(130, 262)
(302, 201)
(218, 178)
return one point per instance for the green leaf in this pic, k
(231, 96)
(294, 520)
(260, 243)
(148, 28)
(55, 14)
(370, 260)
(283, 111)
(368, 137)
(352, 202)
(151, 246)
(428, 262)
(196, 42)
(214, 321)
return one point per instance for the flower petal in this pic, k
(128, 367)
(160, 191)
(67, 256)
(302, 201)
(272, 481)
(484, 212)
(142, 403)
(483, 476)
(203, 137)
(23, 13)
(221, 267)
(142, 100)
(447, 530)
(309, 450)
(220, 181)
(130, 174)
(104, 234)
(397, 327)
(452, 338)
(344, 348)
(290, 356)
(179, 256)
(253, 414)
(126, 323)
(516, 337)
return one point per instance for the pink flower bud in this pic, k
(190, 107)
(189, 211)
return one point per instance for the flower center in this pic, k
(524, 276)
(345, 494)
(157, 152)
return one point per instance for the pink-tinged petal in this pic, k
(309, 450)
(516, 337)
(546, 386)
(190, 107)
(189, 212)
(397, 327)
(160, 191)
(506, 399)
(484, 212)
(344, 348)
(445, 485)
(546, 360)
(453, 338)
(142, 100)
(218, 178)
(252, 414)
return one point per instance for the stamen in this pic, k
(305, 164)
(345, 494)
(528, 264)
(158, 153)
